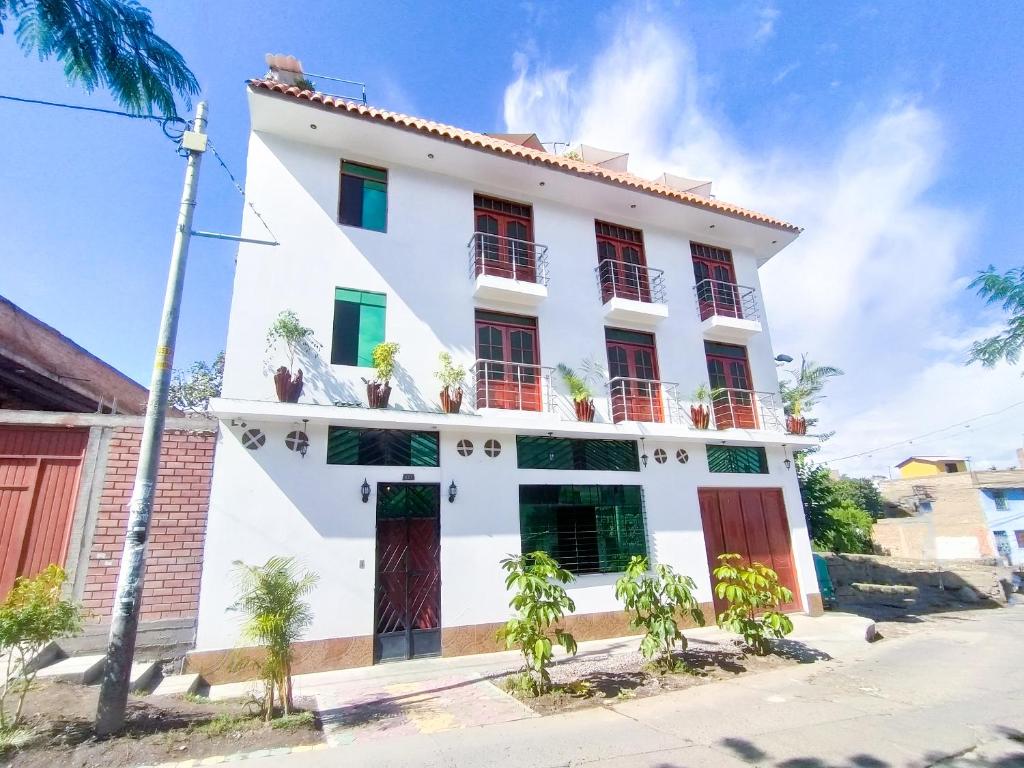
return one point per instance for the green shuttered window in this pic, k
(563, 453)
(738, 459)
(382, 447)
(364, 196)
(358, 326)
(586, 528)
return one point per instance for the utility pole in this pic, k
(124, 619)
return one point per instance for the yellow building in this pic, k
(924, 466)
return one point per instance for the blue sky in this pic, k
(889, 130)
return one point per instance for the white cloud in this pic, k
(872, 283)
(767, 17)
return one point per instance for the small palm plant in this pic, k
(657, 603)
(754, 595)
(270, 597)
(700, 413)
(580, 392)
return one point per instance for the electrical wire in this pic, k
(965, 422)
(238, 187)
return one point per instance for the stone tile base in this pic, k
(814, 604)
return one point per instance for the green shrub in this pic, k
(849, 530)
(33, 615)
(540, 601)
(270, 597)
(754, 596)
(656, 603)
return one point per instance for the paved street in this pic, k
(946, 692)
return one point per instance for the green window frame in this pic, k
(533, 452)
(363, 196)
(359, 319)
(382, 447)
(737, 459)
(586, 528)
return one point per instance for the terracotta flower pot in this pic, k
(796, 425)
(377, 394)
(450, 403)
(289, 388)
(700, 416)
(584, 409)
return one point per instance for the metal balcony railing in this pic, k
(512, 386)
(717, 297)
(746, 409)
(643, 400)
(507, 257)
(625, 280)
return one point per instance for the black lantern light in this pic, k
(643, 452)
(364, 489)
(453, 491)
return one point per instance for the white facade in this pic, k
(272, 501)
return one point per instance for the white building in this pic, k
(513, 260)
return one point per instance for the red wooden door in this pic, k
(734, 402)
(508, 375)
(750, 522)
(633, 371)
(622, 265)
(720, 295)
(504, 232)
(39, 477)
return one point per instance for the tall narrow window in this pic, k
(999, 498)
(622, 265)
(717, 292)
(733, 399)
(507, 369)
(504, 239)
(358, 326)
(364, 196)
(633, 376)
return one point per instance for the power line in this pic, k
(965, 422)
(238, 187)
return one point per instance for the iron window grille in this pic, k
(737, 459)
(382, 447)
(563, 453)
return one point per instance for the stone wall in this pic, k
(936, 582)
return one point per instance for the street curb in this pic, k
(239, 756)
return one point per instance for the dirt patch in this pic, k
(159, 729)
(589, 681)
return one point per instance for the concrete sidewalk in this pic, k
(949, 694)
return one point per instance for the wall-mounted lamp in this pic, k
(304, 443)
(643, 452)
(786, 461)
(364, 489)
(453, 491)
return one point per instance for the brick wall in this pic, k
(175, 552)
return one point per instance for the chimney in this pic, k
(283, 69)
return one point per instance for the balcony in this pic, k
(508, 270)
(746, 409)
(633, 294)
(643, 400)
(511, 386)
(728, 312)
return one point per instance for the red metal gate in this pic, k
(39, 475)
(750, 522)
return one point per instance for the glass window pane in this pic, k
(350, 211)
(345, 338)
(371, 332)
(375, 206)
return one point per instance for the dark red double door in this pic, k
(504, 235)
(407, 616)
(750, 522)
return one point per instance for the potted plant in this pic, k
(796, 424)
(700, 412)
(378, 391)
(297, 340)
(451, 377)
(579, 391)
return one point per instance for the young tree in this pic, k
(803, 389)
(1007, 289)
(754, 595)
(109, 43)
(192, 391)
(33, 615)
(657, 603)
(270, 596)
(540, 602)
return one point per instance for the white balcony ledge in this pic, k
(631, 312)
(508, 291)
(499, 420)
(731, 330)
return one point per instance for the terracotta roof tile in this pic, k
(500, 146)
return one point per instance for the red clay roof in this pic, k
(502, 147)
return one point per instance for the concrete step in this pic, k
(178, 685)
(143, 675)
(46, 656)
(84, 670)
